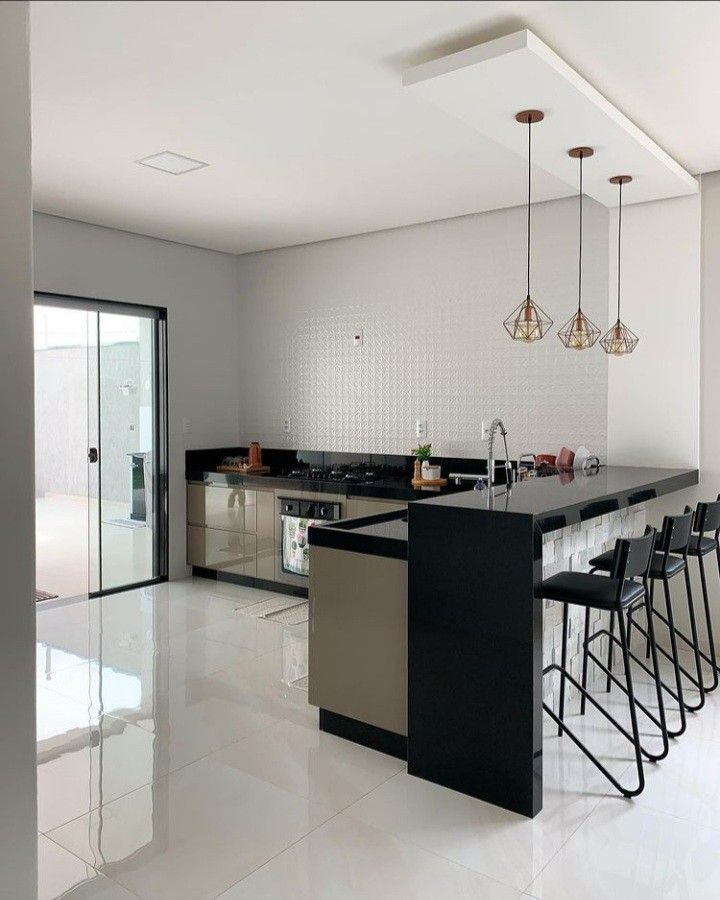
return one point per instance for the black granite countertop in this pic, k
(560, 500)
(399, 489)
(385, 534)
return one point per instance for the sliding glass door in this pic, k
(105, 528)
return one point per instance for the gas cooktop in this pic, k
(347, 474)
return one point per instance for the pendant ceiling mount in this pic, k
(529, 116)
(528, 322)
(579, 332)
(619, 339)
(580, 152)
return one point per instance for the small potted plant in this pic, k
(427, 472)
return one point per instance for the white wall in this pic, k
(18, 818)
(653, 394)
(710, 357)
(431, 300)
(199, 289)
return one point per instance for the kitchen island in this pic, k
(475, 626)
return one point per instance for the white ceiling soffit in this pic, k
(487, 84)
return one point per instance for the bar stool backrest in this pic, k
(633, 556)
(707, 518)
(675, 534)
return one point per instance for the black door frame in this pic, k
(160, 400)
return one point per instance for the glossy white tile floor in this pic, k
(177, 760)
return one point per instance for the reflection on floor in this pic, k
(61, 527)
(176, 759)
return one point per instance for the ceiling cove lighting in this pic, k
(619, 340)
(172, 163)
(528, 322)
(579, 333)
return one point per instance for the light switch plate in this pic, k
(186, 426)
(287, 426)
(421, 428)
(358, 338)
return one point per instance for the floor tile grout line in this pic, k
(411, 843)
(86, 863)
(275, 856)
(164, 776)
(307, 834)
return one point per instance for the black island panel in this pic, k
(475, 628)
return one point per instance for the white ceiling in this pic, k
(300, 112)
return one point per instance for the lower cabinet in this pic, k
(231, 529)
(358, 637)
(229, 551)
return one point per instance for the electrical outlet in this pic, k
(421, 428)
(358, 338)
(287, 426)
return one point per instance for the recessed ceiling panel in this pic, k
(487, 84)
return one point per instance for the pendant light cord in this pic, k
(581, 237)
(619, 232)
(529, 196)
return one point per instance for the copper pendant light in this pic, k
(619, 340)
(528, 322)
(579, 333)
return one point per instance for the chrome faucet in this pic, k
(497, 425)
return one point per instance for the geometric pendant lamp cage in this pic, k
(619, 340)
(528, 322)
(579, 332)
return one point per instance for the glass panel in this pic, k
(61, 446)
(93, 414)
(127, 448)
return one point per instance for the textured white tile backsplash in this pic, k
(430, 300)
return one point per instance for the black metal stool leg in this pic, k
(675, 660)
(611, 629)
(563, 665)
(652, 602)
(656, 670)
(708, 624)
(695, 644)
(585, 660)
(633, 710)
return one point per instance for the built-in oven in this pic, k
(296, 516)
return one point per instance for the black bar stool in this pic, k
(704, 540)
(668, 560)
(631, 559)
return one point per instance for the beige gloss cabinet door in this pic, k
(358, 637)
(219, 506)
(228, 551)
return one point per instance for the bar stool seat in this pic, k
(591, 590)
(701, 546)
(659, 566)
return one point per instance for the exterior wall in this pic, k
(430, 300)
(61, 407)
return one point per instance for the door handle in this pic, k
(92, 455)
